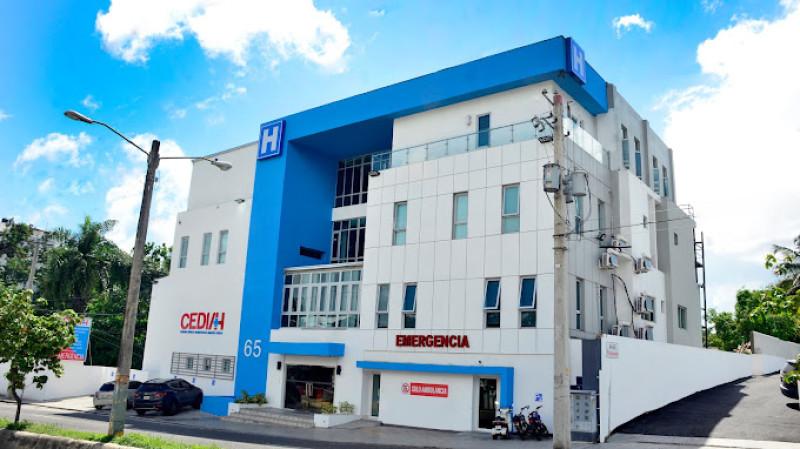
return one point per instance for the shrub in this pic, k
(259, 399)
(346, 408)
(329, 409)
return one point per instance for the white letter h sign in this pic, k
(271, 139)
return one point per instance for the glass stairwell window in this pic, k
(460, 204)
(510, 209)
(638, 149)
(400, 219)
(626, 151)
(483, 130)
(527, 303)
(656, 184)
(491, 303)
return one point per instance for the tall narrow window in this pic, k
(400, 218)
(491, 303)
(352, 180)
(348, 240)
(601, 216)
(578, 215)
(626, 151)
(682, 317)
(222, 255)
(383, 306)
(410, 307)
(601, 297)
(460, 204)
(638, 148)
(675, 238)
(483, 130)
(527, 303)
(578, 303)
(664, 180)
(656, 184)
(206, 249)
(510, 209)
(184, 251)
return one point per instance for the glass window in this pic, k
(189, 362)
(184, 252)
(656, 185)
(322, 299)
(222, 255)
(483, 130)
(491, 303)
(352, 179)
(409, 307)
(601, 296)
(348, 240)
(510, 209)
(400, 218)
(527, 302)
(601, 216)
(206, 249)
(675, 238)
(578, 215)
(638, 148)
(664, 180)
(626, 152)
(460, 204)
(682, 317)
(578, 299)
(383, 306)
(206, 364)
(226, 365)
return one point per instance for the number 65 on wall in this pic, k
(252, 348)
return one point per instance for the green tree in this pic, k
(15, 252)
(31, 342)
(785, 262)
(723, 333)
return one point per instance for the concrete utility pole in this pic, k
(34, 260)
(561, 396)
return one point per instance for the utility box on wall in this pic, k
(583, 416)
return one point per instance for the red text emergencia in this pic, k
(432, 341)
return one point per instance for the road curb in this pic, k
(722, 443)
(17, 439)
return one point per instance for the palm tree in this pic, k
(788, 267)
(84, 264)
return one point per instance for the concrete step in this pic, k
(277, 417)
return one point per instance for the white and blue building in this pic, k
(393, 250)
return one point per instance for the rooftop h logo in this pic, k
(576, 61)
(271, 139)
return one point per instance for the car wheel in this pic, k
(198, 402)
(141, 412)
(494, 437)
(172, 409)
(98, 407)
(130, 405)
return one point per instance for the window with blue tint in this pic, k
(382, 307)
(491, 303)
(638, 149)
(352, 180)
(527, 303)
(184, 252)
(626, 152)
(206, 249)
(664, 180)
(578, 215)
(510, 208)
(602, 303)
(483, 130)
(348, 240)
(400, 219)
(222, 254)
(409, 307)
(656, 185)
(460, 204)
(578, 300)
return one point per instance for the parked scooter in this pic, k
(501, 425)
(536, 427)
(520, 421)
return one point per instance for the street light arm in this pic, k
(128, 140)
(222, 165)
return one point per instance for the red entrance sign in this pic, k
(434, 390)
(432, 341)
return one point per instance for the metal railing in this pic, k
(517, 132)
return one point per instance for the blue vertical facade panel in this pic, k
(293, 192)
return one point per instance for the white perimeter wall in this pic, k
(648, 375)
(768, 345)
(78, 380)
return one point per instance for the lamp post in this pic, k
(116, 425)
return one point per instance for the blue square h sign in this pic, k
(270, 142)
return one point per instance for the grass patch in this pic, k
(131, 439)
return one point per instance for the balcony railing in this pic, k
(517, 132)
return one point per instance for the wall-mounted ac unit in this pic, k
(620, 330)
(643, 264)
(608, 261)
(645, 304)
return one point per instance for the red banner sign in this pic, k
(432, 341)
(433, 390)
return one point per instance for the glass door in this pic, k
(376, 394)
(308, 387)
(487, 395)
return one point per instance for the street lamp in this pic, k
(116, 425)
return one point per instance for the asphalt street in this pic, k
(748, 409)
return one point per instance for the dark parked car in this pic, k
(789, 390)
(105, 395)
(166, 395)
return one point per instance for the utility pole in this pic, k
(34, 260)
(561, 383)
(116, 425)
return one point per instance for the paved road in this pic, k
(748, 409)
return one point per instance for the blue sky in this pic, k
(202, 78)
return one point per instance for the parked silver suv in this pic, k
(105, 394)
(789, 390)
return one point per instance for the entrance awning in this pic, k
(291, 348)
(506, 374)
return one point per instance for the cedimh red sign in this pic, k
(432, 341)
(203, 323)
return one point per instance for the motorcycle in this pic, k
(536, 427)
(501, 425)
(521, 423)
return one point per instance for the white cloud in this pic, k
(124, 198)
(55, 209)
(177, 113)
(294, 28)
(90, 103)
(233, 91)
(77, 189)
(734, 139)
(711, 5)
(627, 22)
(55, 147)
(46, 185)
(377, 12)
(3, 115)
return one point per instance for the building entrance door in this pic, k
(487, 395)
(308, 387)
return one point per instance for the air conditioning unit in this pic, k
(620, 330)
(645, 304)
(608, 261)
(644, 264)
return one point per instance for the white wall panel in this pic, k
(493, 262)
(398, 263)
(413, 220)
(427, 230)
(511, 154)
(444, 217)
(441, 269)
(458, 259)
(476, 212)
(427, 261)
(457, 303)
(494, 199)
(510, 254)
(476, 251)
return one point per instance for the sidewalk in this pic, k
(366, 432)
